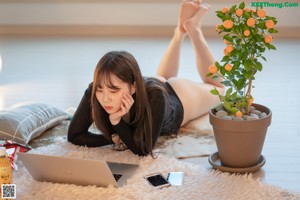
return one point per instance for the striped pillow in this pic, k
(24, 121)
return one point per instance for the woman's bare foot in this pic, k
(195, 22)
(187, 9)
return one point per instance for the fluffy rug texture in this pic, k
(194, 139)
(198, 182)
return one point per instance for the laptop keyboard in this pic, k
(117, 176)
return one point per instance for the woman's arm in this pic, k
(126, 132)
(78, 130)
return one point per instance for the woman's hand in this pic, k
(127, 102)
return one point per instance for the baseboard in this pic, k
(135, 31)
(85, 30)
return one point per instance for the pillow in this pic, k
(24, 121)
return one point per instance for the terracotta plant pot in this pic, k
(240, 143)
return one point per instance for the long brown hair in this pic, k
(123, 65)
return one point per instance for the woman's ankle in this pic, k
(191, 27)
(195, 33)
(179, 33)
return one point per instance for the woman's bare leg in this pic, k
(170, 62)
(204, 57)
(196, 97)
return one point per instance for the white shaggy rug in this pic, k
(195, 139)
(198, 182)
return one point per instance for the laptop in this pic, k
(76, 171)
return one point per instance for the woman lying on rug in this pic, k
(132, 111)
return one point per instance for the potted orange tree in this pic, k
(239, 124)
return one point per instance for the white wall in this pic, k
(118, 13)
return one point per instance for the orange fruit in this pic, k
(269, 24)
(247, 10)
(228, 67)
(212, 69)
(238, 114)
(261, 13)
(246, 33)
(225, 52)
(251, 22)
(228, 24)
(225, 10)
(229, 48)
(239, 12)
(226, 42)
(268, 39)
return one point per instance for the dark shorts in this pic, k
(174, 113)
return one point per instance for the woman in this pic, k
(132, 111)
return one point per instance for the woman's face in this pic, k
(110, 97)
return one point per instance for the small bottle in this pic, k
(5, 169)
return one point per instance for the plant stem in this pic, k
(248, 94)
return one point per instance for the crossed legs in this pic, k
(195, 97)
(170, 62)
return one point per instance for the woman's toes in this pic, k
(187, 10)
(196, 20)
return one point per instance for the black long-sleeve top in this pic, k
(78, 130)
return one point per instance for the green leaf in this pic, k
(242, 81)
(227, 105)
(226, 83)
(219, 12)
(248, 74)
(248, 65)
(261, 25)
(215, 78)
(233, 110)
(238, 41)
(228, 92)
(209, 74)
(214, 92)
(246, 15)
(235, 57)
(225, 59)
(261, 49)
(222, 98)
(257, 66)
(273, 30)
(222, 71)
(270, 46)
(221, 16)
(264, 58)
(242, 5)
(236, 30)
(232, 9)
(228, 38)
(241, 55)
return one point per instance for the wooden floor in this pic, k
(57, 71)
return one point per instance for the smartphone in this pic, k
(175, 178)
(157, 180)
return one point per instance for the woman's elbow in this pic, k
(71, 136)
